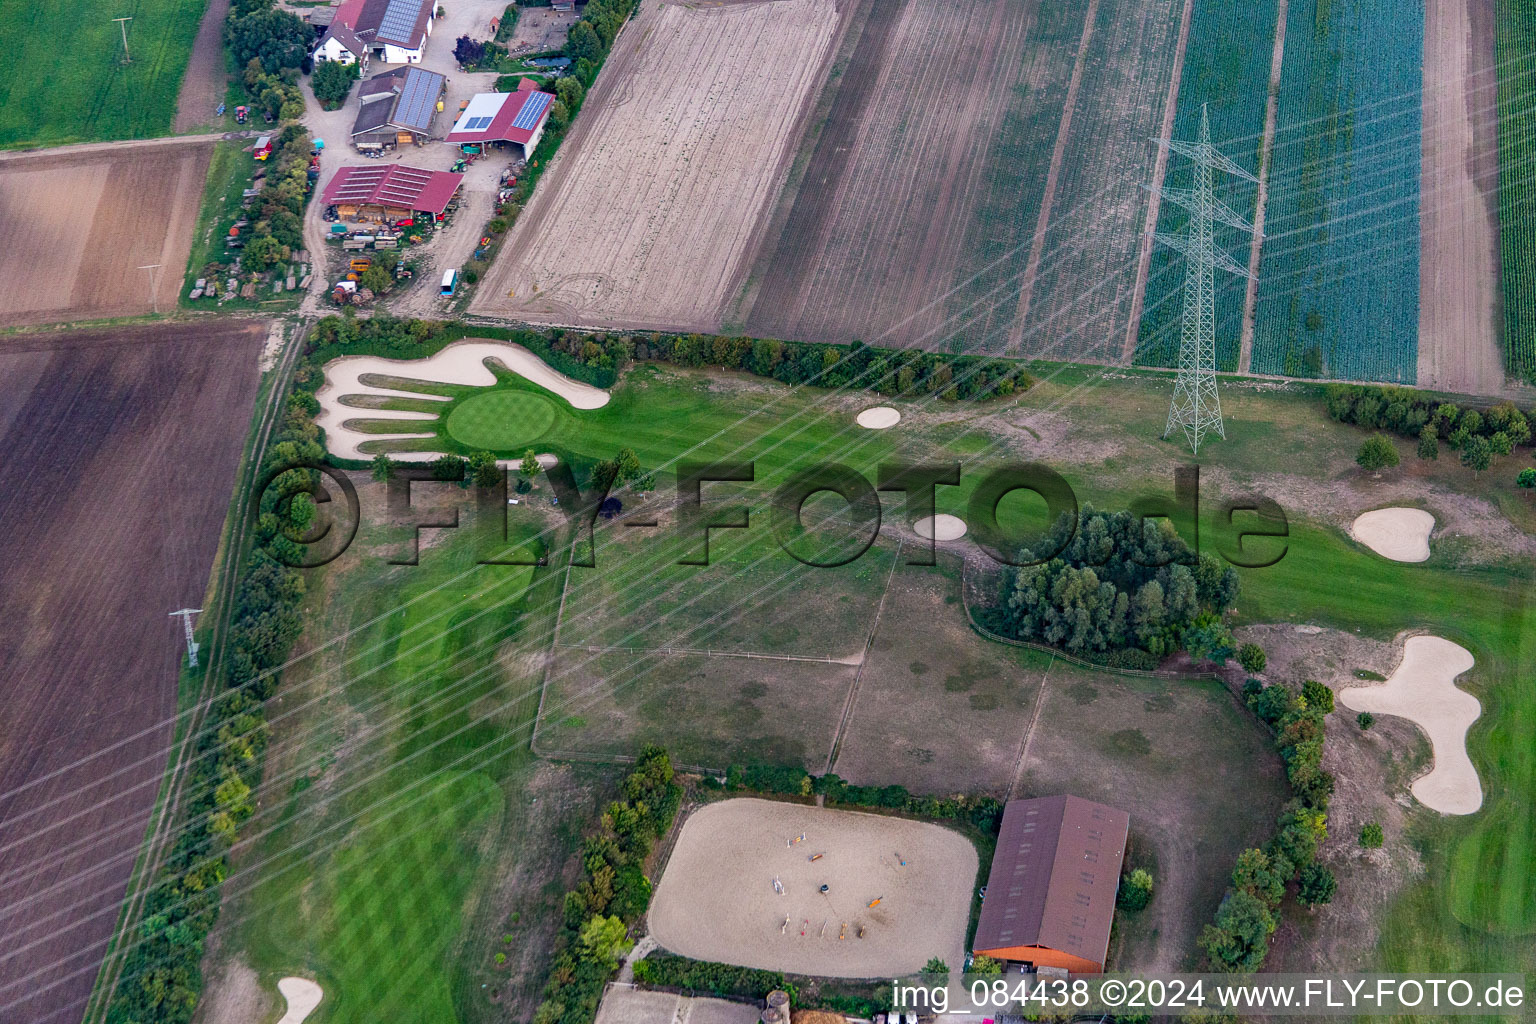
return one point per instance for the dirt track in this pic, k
(649, 213)
(76, 226)
(1459, 328)
(121, 452)
(203, 86)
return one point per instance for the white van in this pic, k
(450, 284)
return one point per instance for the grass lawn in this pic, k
(69, 83)
(439, 674)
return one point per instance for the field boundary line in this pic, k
(1029, 733)
(142, 881)
(1255, 250)
(1058, 156)
(869, 643)
(1154, 198)
(549, 656)
(710, 653)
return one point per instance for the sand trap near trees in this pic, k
(1401, 534)
(716, 898)
(463, 362)
(878, 418)
(1423, 690)
(303, 996)
(939, 527)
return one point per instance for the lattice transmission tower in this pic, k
(1196, 406)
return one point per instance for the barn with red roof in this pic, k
(504, 118)
(391, 192)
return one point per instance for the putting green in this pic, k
(501, 420)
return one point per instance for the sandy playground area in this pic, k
(1423, 690)
(717, 898)
(463, 362)
(303, 996)
(1401, 534)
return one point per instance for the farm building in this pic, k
(390, 193)
(511, 118)
(1051, 892)
(391, 31)
(397, 108)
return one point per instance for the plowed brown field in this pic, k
(76, 227)
(649, 214)
(120, 454)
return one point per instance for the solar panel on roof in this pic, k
(477, 124)
(399, 20)
(533, 109)
(417, 99)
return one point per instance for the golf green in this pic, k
(501, 420)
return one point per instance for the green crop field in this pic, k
(1515, 51)
(67, 81)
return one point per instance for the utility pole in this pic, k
(1196, 406)
(154, 299)
(122, 23)
(186, 624)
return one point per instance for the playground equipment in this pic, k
(816, 857)
(778, 886)
(874, 902)
(825, 887)
(901, 860)
(785, 926)
(798, 839)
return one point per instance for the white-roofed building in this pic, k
(511, 118)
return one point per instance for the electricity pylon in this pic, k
(186, 623)
(1196, 405)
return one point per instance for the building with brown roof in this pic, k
(1051, 893)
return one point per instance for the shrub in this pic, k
(1135, 891)
(1371, 836)
(1377, 452)
(706, 978)
(1429, 443)
(1365, 719)
(1526, 479)
(332, 81)
(1251, 657)
(1317, 696)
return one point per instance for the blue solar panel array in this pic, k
(399, 20)
(532, 110)
(477, 124)
(418, 98)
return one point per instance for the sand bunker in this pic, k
(463, 362)
(878, 418)
(547, 459)
(1423, 690)
(717, 898)
(303, 996)
(1401, 534)
(939, 527)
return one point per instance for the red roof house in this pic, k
(393, 191)
(512, 117)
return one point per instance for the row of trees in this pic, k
(1122, 583)
(1478, 435)
(332, 80)
(983, 813)
(278, 228)
(1238, 940)
(160, 981)
(613, 894)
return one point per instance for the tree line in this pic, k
(1238, 939)
(613, 894)
(160, 980)
(1478, 435)
(1123, 585)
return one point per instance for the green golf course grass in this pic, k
(500, 420)
(1473, 909)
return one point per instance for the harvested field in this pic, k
(650, 211)
(75, 229)
(957, 179)
(121, 449)
(716, 899)
(1459, 324)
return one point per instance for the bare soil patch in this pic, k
(540, 28)
(107, 432)
(76, 227)
(649, 213)
(632, 1006)
(204, 84)
(1459, 326)
(717, 901)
